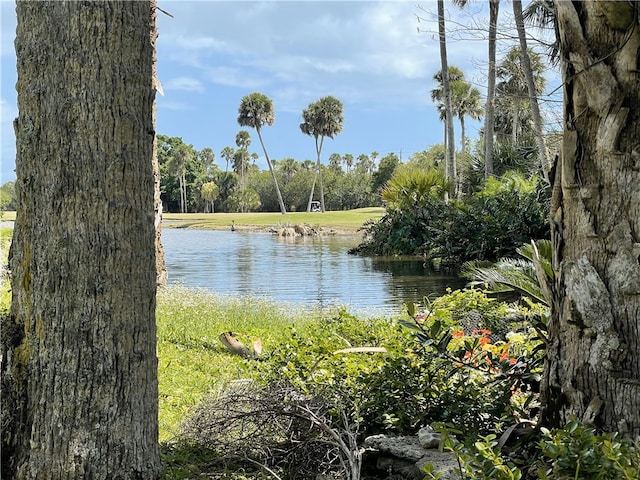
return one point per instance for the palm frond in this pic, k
(507, 274)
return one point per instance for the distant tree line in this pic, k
(191, 181)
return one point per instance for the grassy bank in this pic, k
(338, 221)
(193, 362)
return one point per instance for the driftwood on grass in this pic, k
(234, 345)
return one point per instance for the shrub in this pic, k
(577, 451)
(488, 225)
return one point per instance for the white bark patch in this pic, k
(624, 269)
(592, 308)
(610, 128)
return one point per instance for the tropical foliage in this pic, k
(487, 225)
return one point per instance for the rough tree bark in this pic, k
(79, 366)
(593, 356)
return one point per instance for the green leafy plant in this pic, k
(530, 275)
(579, 452)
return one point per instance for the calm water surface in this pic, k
(309, 271)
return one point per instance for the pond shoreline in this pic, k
(271, 229)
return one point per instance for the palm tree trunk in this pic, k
(283, 210)
(463, 138)
(79, 368)
(515, 119)
(543, 152)
(183, 195)
(494, 6)
(451, 149)
(592, 364)
(313, 187)
(319, 151)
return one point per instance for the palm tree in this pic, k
(209, 192)
(465, 100)
(543, 153)
(412, 187)
(348, 161)
(227, 153)
(514, 84)
(321, 119)
(241, 157)
(256, 111)
(489, 119)
(178, 167)
(444, 68)
(335, 162)
(288, 167)
(207, 158)
(468, 104)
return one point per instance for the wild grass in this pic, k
(193, 362)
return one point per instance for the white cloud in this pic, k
(187, 84)
(305, 45)
(234, 77)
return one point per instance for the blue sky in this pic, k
(376, 57)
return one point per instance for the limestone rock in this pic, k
(407, 448)
(428, 438)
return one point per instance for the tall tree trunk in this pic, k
(592, 366)
(463, 139)
(315, 177)
(515, 120)
(161, 268)
(489, 119)
(79, 366)
(538, 129)
(183, 192)
(446, 86)
(283, 210)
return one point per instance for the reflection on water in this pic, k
(309, 271)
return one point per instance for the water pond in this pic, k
(302, 271)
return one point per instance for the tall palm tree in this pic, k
(543, 152)
(465, 100)
(256, 111)
(489, 119)
(321, 119)
(348, 161)
(241, 157)
(227, 154)
(444, 68)
(178, 167)
(467, 104)
(288, 167)
(335, 162)
(514, 84)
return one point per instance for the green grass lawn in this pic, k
(343, 219)
(346, 219)
(8, 215)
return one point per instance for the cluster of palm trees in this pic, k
(521, 81)
(320, 119)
